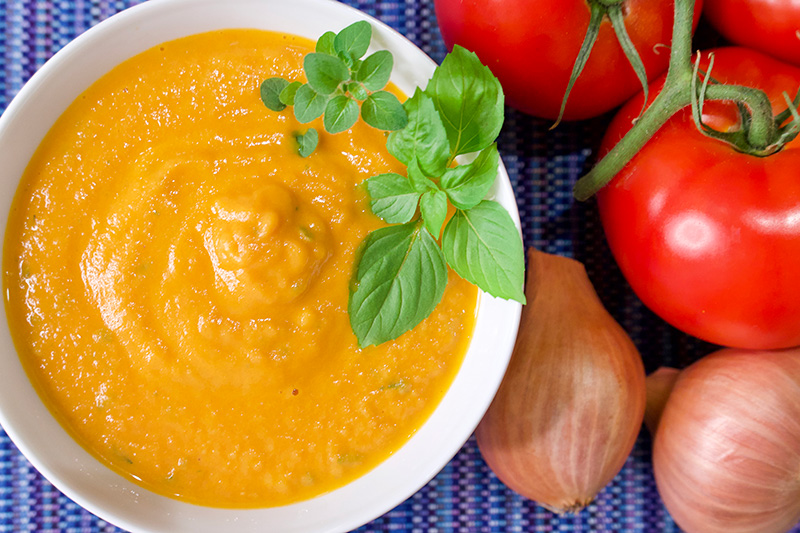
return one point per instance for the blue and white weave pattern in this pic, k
(543, 165)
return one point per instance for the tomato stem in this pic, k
(761, 132)
(674, 96)
(599, 10)
(666, 104)
(790, 111)
(618, 23)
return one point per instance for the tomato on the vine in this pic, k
(531, 46)
(708, 237)
(769, 26)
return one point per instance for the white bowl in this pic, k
(80, 476)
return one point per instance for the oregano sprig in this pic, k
(400, 273)
(340, 86)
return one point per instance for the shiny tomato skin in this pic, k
(708, 237)
(770, 26)
(531, 46)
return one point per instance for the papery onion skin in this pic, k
(571, 404)
(727, 451)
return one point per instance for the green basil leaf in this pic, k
(423, 139)
(325, 43)
(307, 142)
(270, 93)
(467, 185)
(325, 72)
(288, 92)
(392, 198)
(400, 277)
(376, 70)
(483, 246)
(354, 40)
(308, 104)
(418, 180)
(357, 91)
(384, 111)
(433, 207)
(470, 100)
(340, 114)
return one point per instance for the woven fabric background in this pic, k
(543, 165)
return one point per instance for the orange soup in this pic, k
(177, 281)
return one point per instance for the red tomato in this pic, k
(708, 237)
(531, 46)
(770, 26)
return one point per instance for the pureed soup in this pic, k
(177, 279)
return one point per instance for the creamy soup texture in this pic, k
(177, 279)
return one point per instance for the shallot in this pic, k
(659, 387)
(571, 405)
(726, 453)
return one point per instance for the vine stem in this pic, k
(599, 10)
(675, 95)
(761, 136)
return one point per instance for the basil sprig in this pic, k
(460, 112)
(339, 83)
(400, 273)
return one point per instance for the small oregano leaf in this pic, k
(325, 43)
(392, 198)
(307, 142)
(325, 72)
(375, 71)
(470, 100)
(308, 104)
(484, 247)
(357, 91)
(423, 139)
(346, 59)
(433, 208)
(288, 92)
(270, 93)
(340, 114)
(353, 41)
(400, 277)
(466, 185)
(384, 111)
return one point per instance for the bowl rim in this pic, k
(78, 479)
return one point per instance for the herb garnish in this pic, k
(401, 270)
(338, 79)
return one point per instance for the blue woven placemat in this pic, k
(543, 165)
